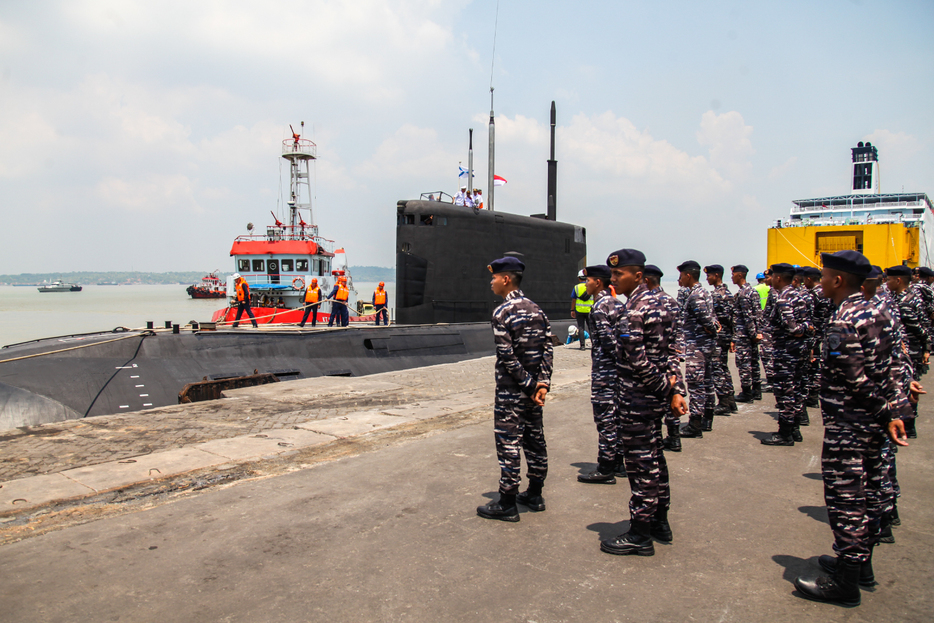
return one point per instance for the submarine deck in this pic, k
(353, 499)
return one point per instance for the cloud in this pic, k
(780, 171)
(728, 139)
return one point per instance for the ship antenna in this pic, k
(492, 128)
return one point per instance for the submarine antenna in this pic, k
(552, 173)
(490, 171)
(470, 164)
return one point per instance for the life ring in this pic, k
(298, 283)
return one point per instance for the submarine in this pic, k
(443, 309)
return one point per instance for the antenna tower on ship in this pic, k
(865, 169)
(300, 152)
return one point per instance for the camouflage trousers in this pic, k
(517, 423)
(891, 490)
(699, 370)
(747, 360)
(723, 379)
(787, 374)
(814, 371)
(607, 420)
(640, 435)
(766, 353)
(854, 473)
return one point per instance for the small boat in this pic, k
(59, 286)
(211, 287)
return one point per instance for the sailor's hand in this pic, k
(914, 392)
(925, 358)
(678, 406)
(732, 347)
(896, 430)
(540, 392)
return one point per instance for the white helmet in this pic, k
(236, 276)
(572, 330)
(582, 274)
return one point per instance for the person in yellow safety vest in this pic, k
(380, 301)
(339, 297)
(312, 302)
(581, 303)
(243, 300)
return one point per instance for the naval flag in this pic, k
(499, 181)
(463, 172)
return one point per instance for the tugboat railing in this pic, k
(299, 147)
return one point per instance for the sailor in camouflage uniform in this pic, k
(765, 348)
(920, 283)
(803, 382)
(723, 309)
(649, 385)
(860, 399)
(699, 330)
(523, 339)
(911, 311)
(653, 276)
(790, 329)
(823, 309)
(746, 335)
(602, 324)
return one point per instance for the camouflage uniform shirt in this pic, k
(603, 319)
(524, 350)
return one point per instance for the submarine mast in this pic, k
(552, 173)
(492, 149)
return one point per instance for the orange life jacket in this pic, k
(379, 297)
(242, 290)
(342, 293)
(312, 295)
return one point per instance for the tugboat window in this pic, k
(301, 266)
(243, 266)
(258, 266)
(286, 266)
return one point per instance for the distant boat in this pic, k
(107, 283)
(211, 288)
(58, 286)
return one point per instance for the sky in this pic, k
(146, 135)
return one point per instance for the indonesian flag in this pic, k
(499, 181)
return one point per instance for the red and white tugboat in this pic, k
(279, 264)
(211, 287)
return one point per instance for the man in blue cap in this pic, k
(523, 339)
(861, 402)
(699, 329)
(746, 336)
(602, 321)
(649, 384)
(790, 328)
(723, 309)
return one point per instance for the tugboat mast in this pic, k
(300, 152)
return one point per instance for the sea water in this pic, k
(27, 314)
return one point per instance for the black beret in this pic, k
(713, 268)
(598, 272)
(783, 269)
(653, 270)
(875, 273)
(688, 266)
(898, 271)
(506, 265)
(739, 268)
(626, 257)
(924, 271)
(812, 271)
(852, 262)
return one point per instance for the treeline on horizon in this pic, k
(360, 274)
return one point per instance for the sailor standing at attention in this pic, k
(312, 302)
(649, 380)
(524, 356)
(379, 302)
(460, 199)
(699, 332)
(723, 309)
(603, 318)
(746, 336)
(861, 402)
(243, 300)
(581, 303)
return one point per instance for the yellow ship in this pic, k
(888, 229)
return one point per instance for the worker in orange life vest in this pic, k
(339, 296)
(312, 302)
(379, 302)
(243, 300)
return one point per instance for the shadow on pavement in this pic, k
(794, 567)
(813, 476)
(760, 435)
(585, 468)
(609, 530)
(818, 513)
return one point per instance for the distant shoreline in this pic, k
(360, 274)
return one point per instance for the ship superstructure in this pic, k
(889, 228)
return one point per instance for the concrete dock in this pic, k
(353, 499)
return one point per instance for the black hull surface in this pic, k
(442, 252)
(123, 372)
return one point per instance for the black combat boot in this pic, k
(767, 388)
(745, 395)
(707, 422)
(620, 469)
(532, 497)
(885, 532)
(660, 528)
(867, 578)
(732, 403)
(812, 400)
(603, 475)
(503, 509)
(802, 419)
(757, 390)
(910, 431)
(692, 430)
(723, 407)
(895, 519)
(635, 542)
(841, 588)
(672, 442)
(781, 438)
(796, 434)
